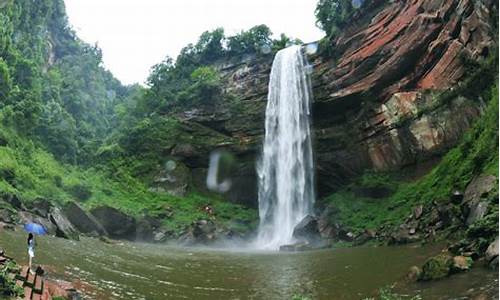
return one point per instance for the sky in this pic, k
(134, 35)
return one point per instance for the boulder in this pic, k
(492, 251)
(116, 223)
(493, 263)
(478, 187)
(437, 267)
(204, 231)
(162, 235)
(307, 229)
(64, 228)
(146, 227)
(461, 263)
(81, 220)
(326, 228)
(477, 211)
(200, 232)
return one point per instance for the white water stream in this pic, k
(286, 175)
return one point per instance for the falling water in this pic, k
(286, 189)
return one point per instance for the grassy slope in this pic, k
(476, 154)
(30, 172)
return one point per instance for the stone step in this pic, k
(24, 274)
(38, 285)
(36, 297)
(28, 291)
(31, 280)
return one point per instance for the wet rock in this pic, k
(81, 220)
(492, 250)
(307, 229)
(461, 263)
(116, 223)
(64, 228)
(437, 267)
(413, 274)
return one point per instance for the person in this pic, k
(31, 249)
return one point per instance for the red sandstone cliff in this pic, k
(378, 100)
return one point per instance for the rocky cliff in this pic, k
(388, 95)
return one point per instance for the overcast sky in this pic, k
(134, 35)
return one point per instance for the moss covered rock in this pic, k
(437, 267)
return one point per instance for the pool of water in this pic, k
(144, 271)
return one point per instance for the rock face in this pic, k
(375, 101)
(117, 224)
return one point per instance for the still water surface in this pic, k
(144, 271)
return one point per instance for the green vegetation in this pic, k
(69, 131)
(332, 15)
(53, 87)
(8, 287)
(34, 173)
(476, 154)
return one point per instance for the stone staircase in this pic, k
(33, 284)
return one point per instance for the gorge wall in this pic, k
(384, 97)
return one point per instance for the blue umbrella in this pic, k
(35, 228)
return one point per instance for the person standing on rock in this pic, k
(31, 249)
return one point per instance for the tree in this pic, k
(331, 15)
(250, 41)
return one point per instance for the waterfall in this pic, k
(285, 170)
